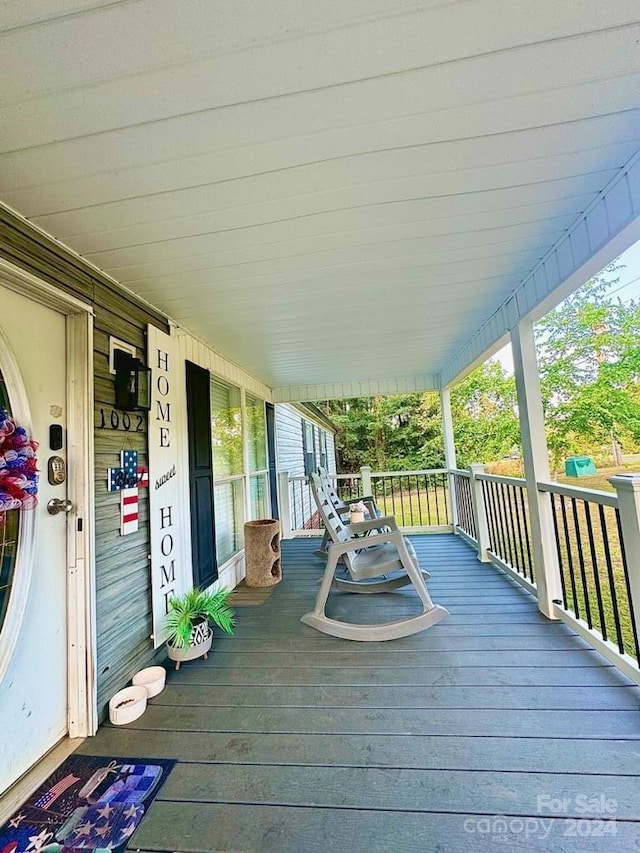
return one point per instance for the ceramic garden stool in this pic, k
(262, 552)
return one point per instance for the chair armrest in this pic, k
(373, 524)
(393, 536)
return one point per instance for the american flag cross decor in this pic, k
(127, 480)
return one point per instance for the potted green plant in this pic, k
(189, 622)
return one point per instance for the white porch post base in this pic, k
(479, 512)
(365, 482)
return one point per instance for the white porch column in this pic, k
(536, 462)
(449, 449)
(365, 473)
(284, 504)
(479, 512)
(628, 488)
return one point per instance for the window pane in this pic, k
(226, 429)
(258, 496)
(229, 519)
(256, 433)
(308, 446)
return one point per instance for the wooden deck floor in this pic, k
(288, 740)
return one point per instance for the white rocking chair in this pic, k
(363, 562)
(342, 507)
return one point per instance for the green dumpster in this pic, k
(579, 466)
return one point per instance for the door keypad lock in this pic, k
(57, 470)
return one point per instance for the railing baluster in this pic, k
(596, 573)
(419, 500)
(612, 583)
(434, 486)
(518, 524)
(525, 518)
(444, 480)
(508, 530)
(625, 570)
(427, 488)
(488, 502)
(567, 543)
(498, 503)
(583, 573)
(470, 516)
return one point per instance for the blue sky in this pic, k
(629, 285)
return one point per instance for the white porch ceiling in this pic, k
(337, 192)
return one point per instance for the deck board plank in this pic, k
(289, 740)
(201, 828)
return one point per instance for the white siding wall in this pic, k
(331, 454)
(290, 457)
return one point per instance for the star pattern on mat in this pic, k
(130, 812)
(17, 820)
(103, 830)
(37, 842)
(106, 811)
(84, 829)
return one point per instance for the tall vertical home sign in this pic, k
(164, 497)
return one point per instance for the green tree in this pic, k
(589, 359)
(485, 415)
(398, 432)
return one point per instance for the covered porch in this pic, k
(497, 725)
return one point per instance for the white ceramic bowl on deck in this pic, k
(152, 678)
(127, 705)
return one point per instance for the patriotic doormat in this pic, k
(89, 803)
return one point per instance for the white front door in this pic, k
(33, 564)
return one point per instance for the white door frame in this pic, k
(81, 609)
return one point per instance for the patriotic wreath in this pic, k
(18, 472)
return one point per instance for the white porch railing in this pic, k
(418, 499)
(597, 538)
(598, 570)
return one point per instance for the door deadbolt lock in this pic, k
(56, 505)
(56, 470)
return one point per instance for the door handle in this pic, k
(56, 505)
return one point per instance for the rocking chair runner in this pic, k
(393, 554)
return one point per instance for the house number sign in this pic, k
(112, 419)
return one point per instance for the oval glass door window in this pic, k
(9, 530)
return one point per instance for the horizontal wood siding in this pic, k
(290, 455)
(331, 454)
(289, 440)
(123, 604)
